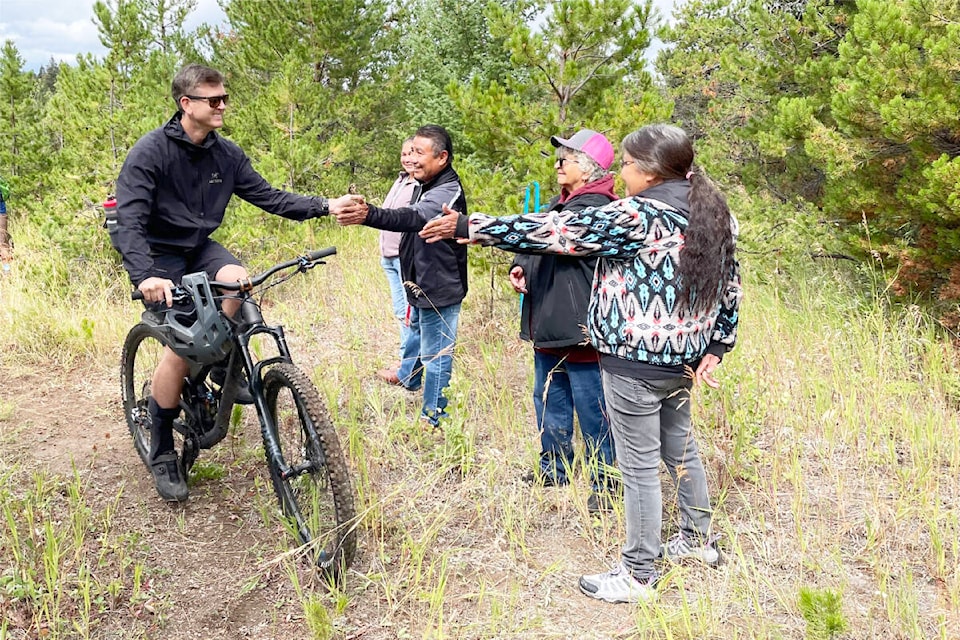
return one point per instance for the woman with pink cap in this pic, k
(554, 311)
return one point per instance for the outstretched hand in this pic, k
(349, 209)
(442, 227)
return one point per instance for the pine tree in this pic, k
(21, 153)
(47, 77)
(850, 107)
(891, 143)
(308, 78)
(446, 44)
(574, 64)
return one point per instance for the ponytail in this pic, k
(707, 257)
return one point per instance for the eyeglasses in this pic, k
(627, 163)
(563, 161)
(213, 101)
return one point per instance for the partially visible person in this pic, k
(554, 316)
(172, 193)
(664, 311)
(6, 244)
(399, 195)
(437, 271)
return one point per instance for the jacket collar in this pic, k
(174, 130)
(603, 186)
(447, 175)
(672, 192)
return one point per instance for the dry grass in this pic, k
(832, 449)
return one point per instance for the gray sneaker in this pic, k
(679, 547)
(617, 585)
(171, 485)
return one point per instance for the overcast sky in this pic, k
(61, 29)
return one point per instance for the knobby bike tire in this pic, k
(142, 350)
(319, 501)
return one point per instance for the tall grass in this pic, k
(67, 570)
(832, 450)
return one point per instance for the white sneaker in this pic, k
(617, 585)
(678, 547)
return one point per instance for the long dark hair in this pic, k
(707, 256)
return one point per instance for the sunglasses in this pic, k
(213, 101)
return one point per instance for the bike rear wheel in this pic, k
(310, 477)
(142, 351)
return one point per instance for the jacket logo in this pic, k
(215, 178)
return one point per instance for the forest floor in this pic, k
(837, 503)
(218, 567)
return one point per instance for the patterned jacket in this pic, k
(633, 312)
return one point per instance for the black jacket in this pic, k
(439, 270)
(554, 311)
(172, 194)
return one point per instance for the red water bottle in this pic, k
(110, 218)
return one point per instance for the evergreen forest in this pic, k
(833, 124)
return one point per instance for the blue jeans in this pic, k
(428, 357)
(398, 296)
(570, 385)
(650, 420)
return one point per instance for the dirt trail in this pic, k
(215, 562)
(212, 559)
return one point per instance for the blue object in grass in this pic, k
(532, 189)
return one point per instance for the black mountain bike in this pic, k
(306, 464)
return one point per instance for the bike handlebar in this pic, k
(303, 262)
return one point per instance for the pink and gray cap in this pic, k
(589, 142)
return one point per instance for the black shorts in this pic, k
(210, 257)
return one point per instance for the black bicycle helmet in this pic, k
(197, 332)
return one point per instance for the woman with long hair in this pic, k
(663, 312)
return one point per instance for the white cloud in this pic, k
(65, 28)
(40, 39)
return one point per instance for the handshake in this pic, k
(352, 209)
(348, 209)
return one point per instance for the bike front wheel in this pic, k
(308, 471)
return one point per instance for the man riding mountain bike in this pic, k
(172, 194)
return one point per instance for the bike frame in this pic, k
(248, 323)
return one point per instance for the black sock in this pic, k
(161, 428)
